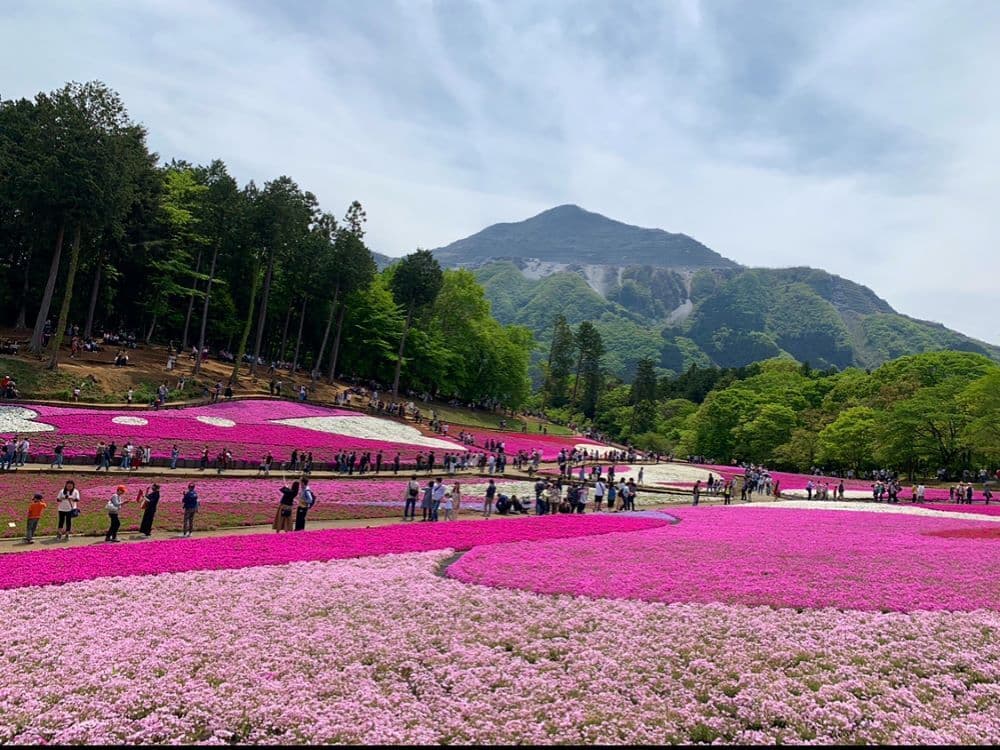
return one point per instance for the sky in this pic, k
(858, 137)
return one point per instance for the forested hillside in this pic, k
(104, 241)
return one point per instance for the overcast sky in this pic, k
(862, 138)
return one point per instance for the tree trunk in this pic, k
(284, 333)
(576, 380)
(187, 318)
(245, 336)
(152, 327)
(22, 311)
(88, 329)
(204, 310)
(326, 334)
(335, 354)
(262, 319)
(298, 340)
(57, 335)
(399, 358)
(50, 285)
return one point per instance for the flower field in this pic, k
(747, 624)
(750, 556)
(381, 650)
(224, 502)
(247, 428)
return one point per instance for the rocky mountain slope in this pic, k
(667, 296)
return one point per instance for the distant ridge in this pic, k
(569, 234)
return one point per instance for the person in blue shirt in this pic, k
(306, 500)
(190, 502)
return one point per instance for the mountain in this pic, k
(667, 296)
(570, 235)
(383, 261)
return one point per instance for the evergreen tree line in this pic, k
(96, 232)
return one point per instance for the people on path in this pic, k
(306, 501)
(283, 516)
(34, 516)
(150, 499)
(67, 499)
(113, 508)
(190, 505)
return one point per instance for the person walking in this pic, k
(306, 501)
(67, 500)
(114, 507)
(410, 503)
(34, 516)
(599, 491)
(395, 464)
(283, 516)
(190, 505)
(151, 498)
(57, 458)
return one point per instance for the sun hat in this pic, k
(121, 488)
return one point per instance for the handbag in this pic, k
(74, 513)
(111, 507)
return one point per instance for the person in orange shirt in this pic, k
(34, 516)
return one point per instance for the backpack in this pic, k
(312, 499)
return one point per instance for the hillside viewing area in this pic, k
(564, 481)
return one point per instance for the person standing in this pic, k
(113, 507)
(67, 499)
(437, 498)
(491, 491)
(34, 516)
(57, 459)
(190, 505)
(150, 501)
(410, 503)
(696, 492)
(283, 517)
(599, 491)
(456, 496)
(378, 462)
(427, 502)
(449, 506)
(175, 453)
(203, 462)
(306, 501)
(395, 464)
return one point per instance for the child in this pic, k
(34, 515)
(448, 507)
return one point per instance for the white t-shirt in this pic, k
(68, 502)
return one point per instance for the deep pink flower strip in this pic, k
(779, 557)
(47, 567)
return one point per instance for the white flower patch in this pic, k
(370, 428)
(132, 421)
(655, 474)
(591, 447)
(909, 510)
(216, 421)
(17, 419)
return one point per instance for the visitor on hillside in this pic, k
(203, 461)
(491, 491)
(150, 500)
(395, 464)
(449, 506)
(283, 516)
(265, 465)
(599, 491)
(190, 504)
(35, 509)
(67, 500)
(113, 507)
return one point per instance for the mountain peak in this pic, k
(571, 234)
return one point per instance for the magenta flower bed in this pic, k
(550, 445)
(49, 567)
(784, 558)
(980, 508)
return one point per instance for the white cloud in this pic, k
(853, 137)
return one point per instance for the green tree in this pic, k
(560, 363)
(849, 440)
(416, 282)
